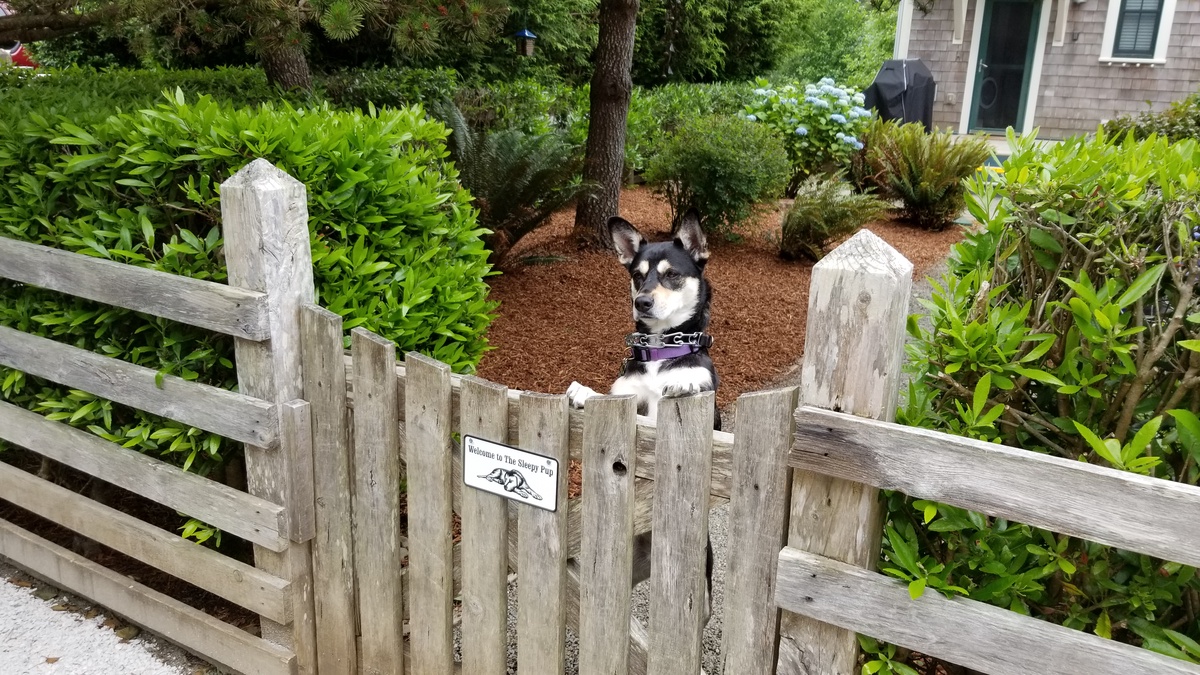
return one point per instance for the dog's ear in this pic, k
(625, 238)
(691, 237)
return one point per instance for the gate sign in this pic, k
(510, 472)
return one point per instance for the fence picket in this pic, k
(609, 456)
(430, 468)
(757, 529)
(484, 414)
(542, 544)
(377, 504)
(333, 559)
(677, 582)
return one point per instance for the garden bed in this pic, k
(564, 312)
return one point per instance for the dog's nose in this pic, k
(643, 303)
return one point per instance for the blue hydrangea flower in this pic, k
(802, 130)
(858, 111)
(810, 88)
(849, 140)
(821, 103)
(752, 118)
(841, 136)
(826, 80)
(840, 119)
(858, 145)
(760, 92)
(860, 99)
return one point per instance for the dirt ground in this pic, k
(564, 312)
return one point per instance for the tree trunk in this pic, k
(286, 66)
(612, 85)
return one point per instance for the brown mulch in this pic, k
(564, 312)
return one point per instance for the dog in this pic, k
(669, 349)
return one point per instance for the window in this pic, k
(1137, 28)
(1137, 31)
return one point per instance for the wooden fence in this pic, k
(270, 275)
(357, 483)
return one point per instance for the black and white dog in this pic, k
(669, 350)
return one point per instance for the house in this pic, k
(1063, 66)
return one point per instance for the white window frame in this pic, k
(1110, 35)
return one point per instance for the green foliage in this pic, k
(89, 95)
(1179, 121)
(396, 248)
(517, 179)
(820, 130)
(721, 166)
(656, 114)
(386, 86)
(924, 170)
(1068, 325)
(824, 209)
(710, 40)
(847, 40)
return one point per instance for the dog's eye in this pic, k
(671, 274)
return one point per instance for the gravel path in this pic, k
(44, 631)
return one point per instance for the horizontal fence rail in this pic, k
(1096, 503)
(224, 309)
(221, 575)
(236, 512)
(223, 644)
(227, 413)
(966, 632)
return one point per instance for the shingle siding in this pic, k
(1077, 90)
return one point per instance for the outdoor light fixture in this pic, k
(525, 39)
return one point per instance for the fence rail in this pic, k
(225, 309)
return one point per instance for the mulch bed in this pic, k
(564, 312)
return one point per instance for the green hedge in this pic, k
(395, 242)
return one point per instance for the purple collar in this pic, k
(661, 353)
(660, 346)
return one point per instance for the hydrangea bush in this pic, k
(821, 124)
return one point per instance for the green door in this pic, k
(1006, 46)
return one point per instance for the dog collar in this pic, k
(660, 346)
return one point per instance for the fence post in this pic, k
(854, 352)
(265, 223)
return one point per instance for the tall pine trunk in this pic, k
(612, 86)
(286, 65)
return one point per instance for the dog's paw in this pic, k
(681, 390)
(579, 394)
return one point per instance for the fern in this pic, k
(825, 209)
(923, 170)
(518, 179)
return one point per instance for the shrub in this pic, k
(1179, 121)
(924, 170)
(391, 87)
(824, 210)
(1068, 326)
(721, 166)
(396, 247)
(87, 94)
(517, 179)
(820, 130)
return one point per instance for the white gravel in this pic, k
(36, 638)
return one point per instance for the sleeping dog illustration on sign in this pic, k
(513, 481)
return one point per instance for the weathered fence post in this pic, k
(858, 302)
(265, 222)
